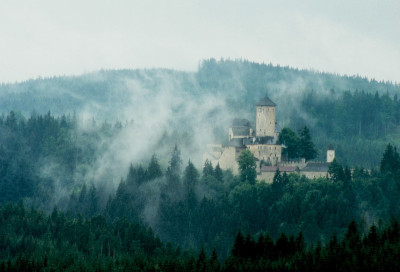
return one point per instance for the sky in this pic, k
(44, 38)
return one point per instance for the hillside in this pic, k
(357, 115)
(105, 148)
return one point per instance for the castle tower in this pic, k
(330, 154)
(265, 118)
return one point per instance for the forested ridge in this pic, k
(67, 170)
(33, 241)
(359, 116)
(186, 206)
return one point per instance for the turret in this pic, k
(330, 154)
(265, 118)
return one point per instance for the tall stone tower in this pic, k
(265, 118)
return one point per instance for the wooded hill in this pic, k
(50, 159)
(359, 116)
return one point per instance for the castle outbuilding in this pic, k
(262, 140)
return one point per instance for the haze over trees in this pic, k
(79, 197)
(357, 115)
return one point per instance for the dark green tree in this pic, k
(174, 169)
(291, 141)
(218, 173)
(247, 167)
(191, 177)
(208, 169)
(277, 177)
(238, 246)
(336, 172)
(202, 263)
(306, 146)
(154, 169)
(92, 201)
(390, 162)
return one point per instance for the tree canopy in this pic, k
(247, 167)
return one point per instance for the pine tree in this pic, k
(154, 169)
(390, 162)
(277, 177)
(208, 169)
(336, 172)
(247, 167)
(214, 263)
(291, 141)
(191, 176)
(201, 264)
(306, 148)
(238, 245)
(174, 169)
(92, 201)
(218, 173)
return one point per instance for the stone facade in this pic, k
(269, 153)
(267, 173)
(265, 121)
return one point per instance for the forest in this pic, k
(33, 241)
(80, 191)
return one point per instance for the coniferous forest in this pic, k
(92, 186)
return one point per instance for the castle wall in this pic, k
(213, 153)
(265, 121)
(268, 177)
(228, 159)
(314, 175)
(299, 163)
(267, 152)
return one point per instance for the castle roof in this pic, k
(316, 167)
(236, 142)
(266, 102)
(281, 168)
(241, 131)
(330, 147)
(240, 123)
(267, 140)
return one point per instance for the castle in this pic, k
(262, 141)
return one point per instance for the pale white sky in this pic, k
(51, 37)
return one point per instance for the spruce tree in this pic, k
(154, 169)
(174, 169)
(191, 176)
(218, 173)
(306, 147)
(291, 141)
(208, 169)
(247, 167)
